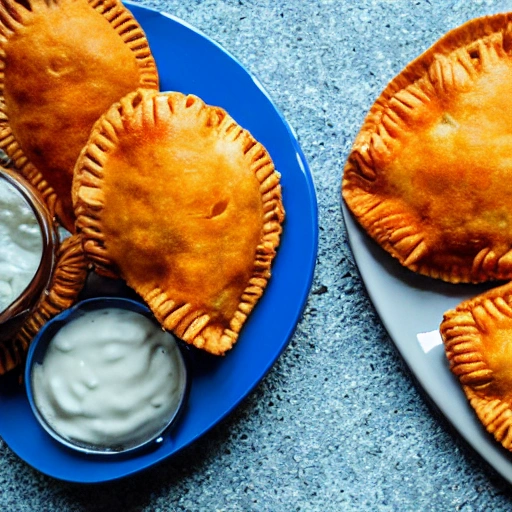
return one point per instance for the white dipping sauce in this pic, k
(110, 379)
(21, 244)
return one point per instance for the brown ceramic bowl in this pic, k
(12, 317)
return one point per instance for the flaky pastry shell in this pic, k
(68, 280)
(478, 342)
(429, 176)
(62, 64)
(177, 199)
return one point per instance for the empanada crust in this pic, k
(429, 176)
(63, 65)
(177, 199)
(68, 280)
(478, 342)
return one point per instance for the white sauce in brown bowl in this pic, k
(21, 244)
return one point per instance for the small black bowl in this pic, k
(36, 356)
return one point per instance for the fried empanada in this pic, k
(185, 205)
(430, 174)
(68, 280)
(478, 343)
(63, 63)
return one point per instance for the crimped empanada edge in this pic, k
(68, 280)
(463, 36)
(461, 330)
(494, 414)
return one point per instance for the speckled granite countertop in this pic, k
(338, 423)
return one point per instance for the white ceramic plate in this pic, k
(411, 308)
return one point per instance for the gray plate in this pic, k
(411, 308)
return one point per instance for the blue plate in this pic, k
(191, 63)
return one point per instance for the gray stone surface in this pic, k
(338, 424)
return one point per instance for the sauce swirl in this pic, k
(21, 244)
(110, 379)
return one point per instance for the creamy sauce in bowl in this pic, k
(110, 380)
(21, 244)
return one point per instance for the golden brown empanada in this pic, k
(63, 63)
(184, 204)
(430, 173)
(478, 343)
(67, 282)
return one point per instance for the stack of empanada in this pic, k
(430, 179)
(169, 194)
(63, 64)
